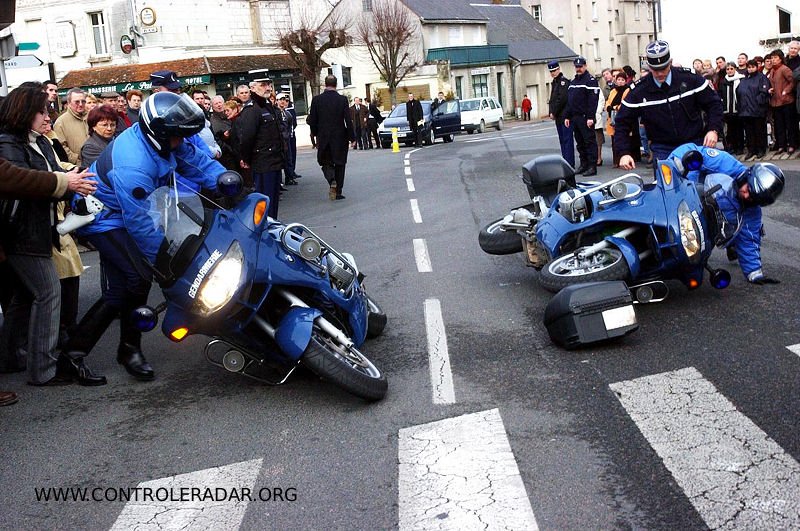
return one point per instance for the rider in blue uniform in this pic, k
(144, 157)
(743, 192)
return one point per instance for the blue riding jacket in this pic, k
(129, 170)
(722, 168)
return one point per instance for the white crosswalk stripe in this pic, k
(731, 471)
(207, 499)
(459, 474)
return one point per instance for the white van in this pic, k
(479, 113)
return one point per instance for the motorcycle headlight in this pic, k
(690, 232)
(219, 286)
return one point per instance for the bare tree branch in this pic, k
(389, 35)
(306, 45)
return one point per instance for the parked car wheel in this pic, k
(500, 124)
(448, 138)
(482, 127)
(470, 131)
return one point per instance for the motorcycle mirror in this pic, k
(229, 183)
(618, 190)
(720, 278)
(310, 248)
(692, 160)
(144, 318)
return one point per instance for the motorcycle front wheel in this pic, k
(346, 367)
(494, 240)
(568, 269)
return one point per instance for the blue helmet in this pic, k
(765, 181)
(165, 115)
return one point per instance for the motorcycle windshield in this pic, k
(178, 212)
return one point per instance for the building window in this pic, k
(346, 79)
(366, 5)
(581, 51)
(616, 14)
(595, 16)
(480, 85)
(459, 87)
(649, 12)
(579, 11)
(561, 32)
(597, 49)
(784, 21)
(619, 49)
(536, 11)
(610, 31)
(455, 35)
(99, 33)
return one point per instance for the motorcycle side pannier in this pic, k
(583, 314)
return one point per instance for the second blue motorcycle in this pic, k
(623, 229)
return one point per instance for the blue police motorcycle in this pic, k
(270, 296)
(623, 229)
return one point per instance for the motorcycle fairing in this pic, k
(294, 331)
(628, 252)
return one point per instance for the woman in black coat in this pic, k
(27, 233)
(102, 122)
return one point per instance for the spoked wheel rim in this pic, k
(572, 266)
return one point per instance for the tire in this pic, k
(494, 240)
(560, 273)
(448, 138)
(350, 370)
(500, 124)
(376, 319)
(429, 138)
(482, 127)
(470, 131)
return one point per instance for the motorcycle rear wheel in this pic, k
(494, 240)
(347, 368)
(376, 319)
(565, 270)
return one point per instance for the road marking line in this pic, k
(732, 472)
(410, 184)
(193, 514)
(795, 348)
(441, 376)
(407, 162)
(534, 135)
(422, 257)
(460, 473)
(407, 170)
(415, 211)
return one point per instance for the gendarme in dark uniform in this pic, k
(671, 103)
(557, 105)
(581, 113)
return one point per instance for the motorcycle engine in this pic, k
(575, 210)
(341, 274)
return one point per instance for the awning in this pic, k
(194, 71)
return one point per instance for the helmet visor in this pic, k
(182, 117)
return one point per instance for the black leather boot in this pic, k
(82, 341)
(582, 168)
(591, 170)
(77, 369)
(129, 353)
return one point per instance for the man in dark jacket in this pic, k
(375, 119)
(752, 94)
(557, 106)
(670, 102)
(261, 145)
(581, 111)
(331, 126)
(415, 116)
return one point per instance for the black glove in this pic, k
(761, 281)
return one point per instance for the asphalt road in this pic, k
(583, 458)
